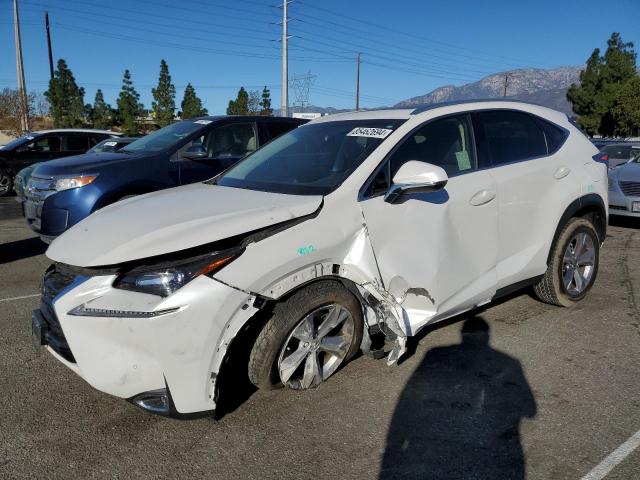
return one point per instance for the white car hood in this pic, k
(172, 220)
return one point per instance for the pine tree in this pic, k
(191, 105)
(65, 98)
(265, 104)
(164, 96)
(100, 112)
(626, 108)
(129, 106)
(239, 106)
(600, 82)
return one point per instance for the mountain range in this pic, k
(547, 87)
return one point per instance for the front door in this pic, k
(224, 144)
(40, 149)
(436, 251)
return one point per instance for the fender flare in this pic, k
(583, 205)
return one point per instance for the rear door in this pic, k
(75, 144)
(436, 251)
(225, 144)
(534, 183)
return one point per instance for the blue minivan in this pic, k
(62, 192)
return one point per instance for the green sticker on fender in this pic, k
(306, 250)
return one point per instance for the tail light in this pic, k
(601, 157)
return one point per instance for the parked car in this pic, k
(63, 192)
(353, 227)
(42, 146)
(624, 189)
(621, 153)
(112, 144)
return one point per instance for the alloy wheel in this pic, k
(5, 183)
(316, 347)
(578, 264)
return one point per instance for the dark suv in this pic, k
(42, 146)
(62, 192)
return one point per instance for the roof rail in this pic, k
(431, 106)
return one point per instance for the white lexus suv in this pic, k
(347, 234)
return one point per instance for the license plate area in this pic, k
(635, 207)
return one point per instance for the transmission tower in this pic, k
(301, 85)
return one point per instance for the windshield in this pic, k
(16, 142)
(166, 137)
(108, 146)
(310, 160)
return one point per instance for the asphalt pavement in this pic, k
(533, 391)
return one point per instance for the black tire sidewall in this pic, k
(288, 314)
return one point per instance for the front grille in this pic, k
(56, 280)
(39, 188)
(632, 189)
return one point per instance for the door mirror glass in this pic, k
(194, 152)
(415, 176)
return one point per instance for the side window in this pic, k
(234, 140)
(445, 142)
(509, 136)
(553, 135)
(42, 144)
(76, 143)
(276, 129)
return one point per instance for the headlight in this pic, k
(165, 279)
(73, 182)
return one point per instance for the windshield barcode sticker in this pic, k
(369, 132)
(203, 122)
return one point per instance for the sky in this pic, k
(408, 47)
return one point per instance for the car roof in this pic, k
(75, 130)
(215, 118)
(406, 113)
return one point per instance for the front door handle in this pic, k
(482, 197)
(561, 173)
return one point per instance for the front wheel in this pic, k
(6, 183)
(308, 337)
(573, 265)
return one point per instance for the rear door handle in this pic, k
(482, 197)
(561, 173)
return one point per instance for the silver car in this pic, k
(624, 189)
(621, 153)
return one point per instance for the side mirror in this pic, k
(194, 152)
(414, 177)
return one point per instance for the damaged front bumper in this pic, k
(130, 344)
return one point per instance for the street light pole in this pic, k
(22, 90)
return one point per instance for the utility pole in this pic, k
(46, 23)
(22, 90)
(506, 81)
(284, 105)
(358, 82)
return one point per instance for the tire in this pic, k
(296, 330)
(6, 183)
(552, 288)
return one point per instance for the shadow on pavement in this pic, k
(625, 222)
(28, 247)
(459, 414)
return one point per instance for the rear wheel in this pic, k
(6, 183)
(573, 266)
(308, 337)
